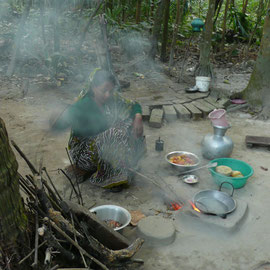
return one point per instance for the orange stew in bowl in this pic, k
(182, 160)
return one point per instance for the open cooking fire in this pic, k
(194, 206)
(175, 206)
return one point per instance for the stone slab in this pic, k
(156, 230)
(145, 112)
(182, 112)
(196, 114)
(156, 118)
(169, 113)
(230, 223)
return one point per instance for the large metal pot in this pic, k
(215, 202)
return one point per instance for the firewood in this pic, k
(77, 245)
(111, 256)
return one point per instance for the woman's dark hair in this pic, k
(102, 76)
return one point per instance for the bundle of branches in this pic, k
(70, 235)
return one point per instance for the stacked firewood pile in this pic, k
(66, 234)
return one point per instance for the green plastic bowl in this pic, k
(235, 165)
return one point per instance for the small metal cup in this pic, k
(159, 145)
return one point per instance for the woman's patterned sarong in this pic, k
(107, 155)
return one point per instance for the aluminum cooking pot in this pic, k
(215, 202)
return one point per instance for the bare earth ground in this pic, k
(197, 246)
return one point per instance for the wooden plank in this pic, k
(196, 95)
(207, 104)
(169, 113)
(145, 112)
(158, 103)
(182, 112)
(258, 140)
(202, 106)
(216, 103)
(223, 102)
(195, 112)
(156, 118)
(181, 98)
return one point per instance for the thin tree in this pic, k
(259, 13)
(258, 92)
(156, 28)
(138, 11)
(178, 19)
(204, 68)
(245, 4)
(165, 31)
(224, 24)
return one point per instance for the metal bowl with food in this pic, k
(114, 216)
(182, 161)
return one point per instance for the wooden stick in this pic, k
(31, 166)
(51, 182)
(84, 252)
(27, 256)
(70, 181)
(75, 237)
(77, 182)
(35, 264)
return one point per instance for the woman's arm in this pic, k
(134, 111)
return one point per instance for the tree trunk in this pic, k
(123, 4)
(222, 44)
(257, 91)
(138, 11)
(156, 29)
(244, 9)
(165, 31)
(204, 68)
(13, 221)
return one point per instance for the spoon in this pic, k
(209, 165)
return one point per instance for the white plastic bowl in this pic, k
(113, 212)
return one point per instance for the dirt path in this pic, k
(196, 246)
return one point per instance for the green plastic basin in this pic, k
(235, 165)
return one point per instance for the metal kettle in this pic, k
(217, 145)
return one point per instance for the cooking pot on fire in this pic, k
(215, 202)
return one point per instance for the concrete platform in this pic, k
(230, 224)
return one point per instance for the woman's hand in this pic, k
(138, 125)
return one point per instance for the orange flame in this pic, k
(194, 207)
(175, 206)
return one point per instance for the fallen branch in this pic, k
(84, 252)
(31, 166)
